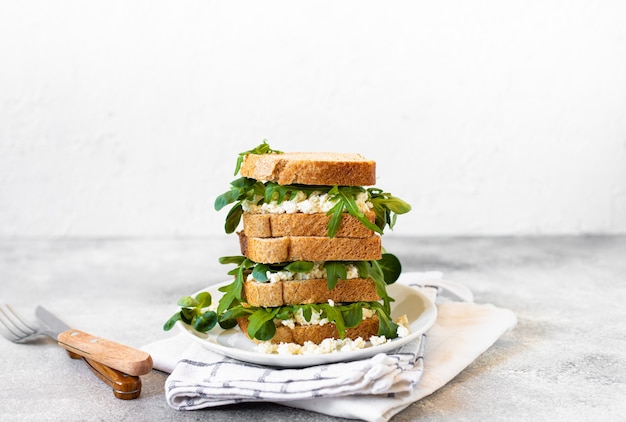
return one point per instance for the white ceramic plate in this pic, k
(419, 309)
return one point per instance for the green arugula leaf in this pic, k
(307, 313)
(230, 297)
(334, 271)
(242, 189)
(345, 196)
(386, 327)
(334, 315)
(353, 315)
(237, 260)
(235, 312)
(336, 214)
(232, 292)
(261, 324)
(284, 312)
(387, 207)
(377, 275)
(363, 267)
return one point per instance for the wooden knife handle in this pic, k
(125, 359)
(125, 387)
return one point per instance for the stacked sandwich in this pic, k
(313, 266)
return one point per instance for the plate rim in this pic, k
(208, 339)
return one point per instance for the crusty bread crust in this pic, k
(300, 224)
(310, 168)
(310, 248)
(316, 333)
(300, 292)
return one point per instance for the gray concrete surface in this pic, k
(565, 360)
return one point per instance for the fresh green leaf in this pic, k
(334, 271)
(363, 267)
(233, 218)
(203, 299)
(261, 324)
(377, 275)
(171, 322)
(187, 315)
(345, 196)
(307, 313)
(334, 315)
(396, 205)
(336, 214)
(285, 312)
(260, 272)
(299, 266)
(387, 207)
(386, 327)
(187, 302)
(232, 295)
(228, 323)
(226, 198)
(232, 292)
(205, 322)
(266, 331)
(353, 315)
(237, 260)
(391, 267)
(235, 312)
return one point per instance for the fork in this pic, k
(17, 330)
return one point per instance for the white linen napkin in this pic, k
(371, 389)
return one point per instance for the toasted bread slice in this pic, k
(310, 168)
(310, 248)
(316, 333)
(300, 224)
(300, 292)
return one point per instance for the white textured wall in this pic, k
(124, 118)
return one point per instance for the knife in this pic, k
(117, 356)
(125, 387)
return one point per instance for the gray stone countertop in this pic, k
(565, 359)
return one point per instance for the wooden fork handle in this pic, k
(125, 387)
(123, 358)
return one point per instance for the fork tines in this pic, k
(16, 329)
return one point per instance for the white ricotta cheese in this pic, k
(330, 345)
(318, 272)
(317, 202)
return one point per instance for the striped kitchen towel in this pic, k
(205, 379)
